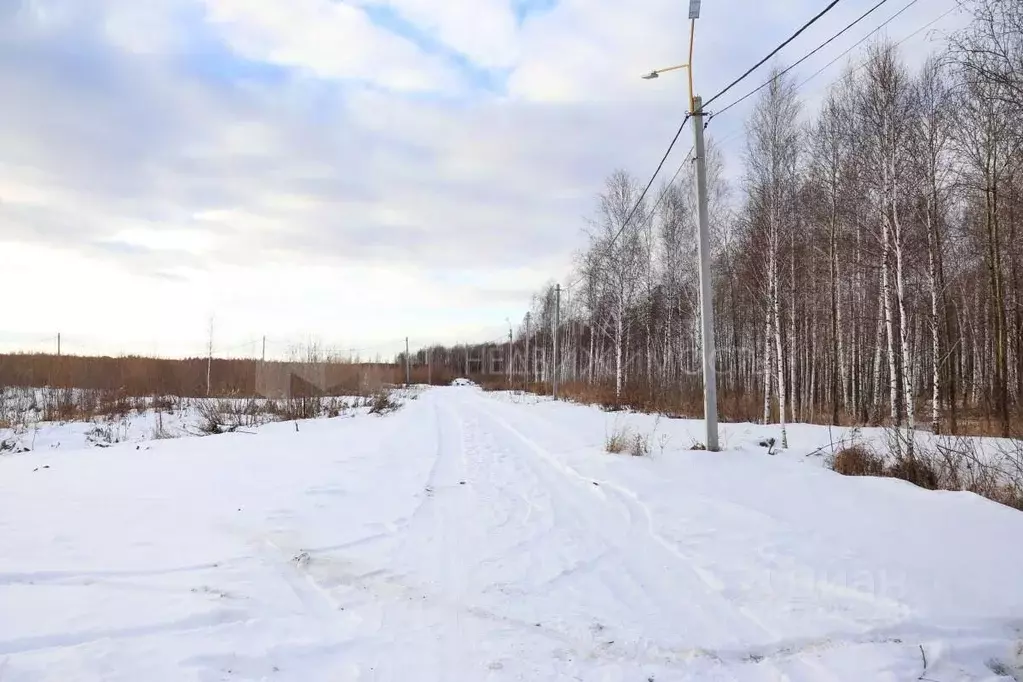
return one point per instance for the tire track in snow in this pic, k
(204, 621)
(718, 615)
(843, 598)
(641, 516)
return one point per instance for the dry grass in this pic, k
(857, 460)
(685, 400)
(623, 440)
(382, 403)
(616, 442)
(140, 376)
(948, 463)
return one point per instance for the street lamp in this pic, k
(710, 408)
(657, 73)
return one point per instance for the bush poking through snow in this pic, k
(616, 442)
(622, 441)
(382, 403)
(639, 446)
(211, 421)
(856, 460)
(947, 463)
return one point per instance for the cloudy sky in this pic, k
(351, 171)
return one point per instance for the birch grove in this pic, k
(867, 254)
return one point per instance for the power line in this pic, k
(803, 58)
(866, 37)
(860, 42)
(664, 193)
(660, 198)
(852, 47)
(653, 177)
(773, 52)
(639, 202)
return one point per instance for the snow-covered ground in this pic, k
(472, 536)
(24, 427)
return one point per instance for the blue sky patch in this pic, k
(478, 78)
(526, 8)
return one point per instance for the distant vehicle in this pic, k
(462, 381)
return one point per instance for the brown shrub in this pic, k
(917, 470)
(382, 403)
(856, 460)
(616, 442)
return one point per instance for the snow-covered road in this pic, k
(473, 537)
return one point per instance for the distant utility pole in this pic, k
(408, 375)
(557, 325)
(466, 361)
(264, 348)
(508, 369)
(209, 360)
(526, 365)
(710, 402)
(429, 368)
(58, 344)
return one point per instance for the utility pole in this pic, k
(526, 364)
(466, 361)
(557, 325)
(508, 370)
(264, 348)
(429, 368)
(710, 403)
(408, 375)
(58, 344)
(209, 360)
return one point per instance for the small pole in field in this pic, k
(557, 325)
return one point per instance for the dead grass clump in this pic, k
(623, 440)
(857, 460)
(920, 471)
(382, 403)
(159, 402)
(211, 419)
(946, 463)
(59, 405)
(639, 446)
(616, 442)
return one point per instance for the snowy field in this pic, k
(24, 426)
(472, 536)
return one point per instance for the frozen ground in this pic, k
(487, 537)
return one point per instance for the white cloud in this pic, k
(328, 40)
(335, 199)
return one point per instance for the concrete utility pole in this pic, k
(58, 344)
(408, 374)
(710, 403)
(264, 348)
(557, 325)
(710, 400)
